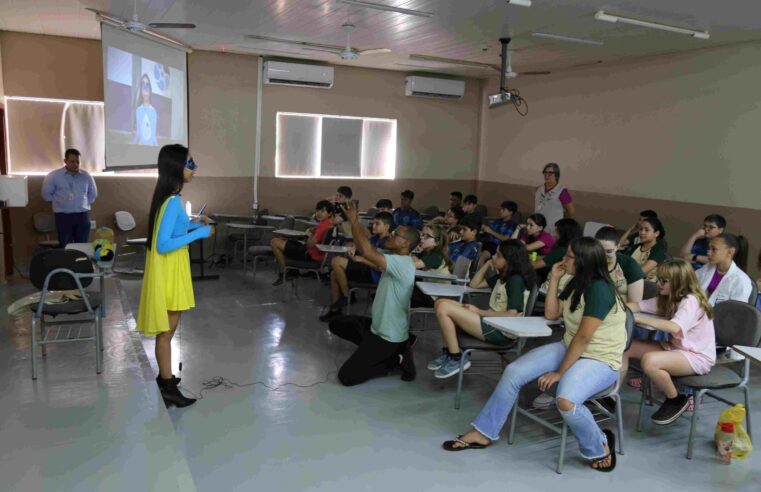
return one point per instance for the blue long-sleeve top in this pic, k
(176, 229)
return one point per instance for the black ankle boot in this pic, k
(171, 394)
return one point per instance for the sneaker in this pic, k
(543, 401)
(671, 409)
(451, 367)
(407, 365)
(438, 361)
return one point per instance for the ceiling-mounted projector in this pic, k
(502, 97)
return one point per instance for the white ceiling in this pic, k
(460, 29)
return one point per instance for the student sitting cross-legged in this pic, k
(431, 255)
(285, 249)
(355, 268)
(691, 348)
(383, 341)
(584, 363)
(511, 277)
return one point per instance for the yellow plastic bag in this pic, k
(742, 445)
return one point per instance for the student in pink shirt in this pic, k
(685, 314)
(534, 235)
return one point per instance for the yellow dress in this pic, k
(167, 284)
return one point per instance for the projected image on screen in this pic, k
(145, 99)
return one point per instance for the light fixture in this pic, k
(563, 37)
(389, 8)
(603, 16)
(522, 3)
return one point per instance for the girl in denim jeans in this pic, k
(583, 364)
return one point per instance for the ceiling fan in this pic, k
(134, 25)
(345, 52)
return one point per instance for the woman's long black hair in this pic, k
(172, 160)
(518, 263)
(567, 231)
(591, 264)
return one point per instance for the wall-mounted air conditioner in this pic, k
(299, 74)
(432, 87)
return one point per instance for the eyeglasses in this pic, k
(662, 281)
(427, 236)
(190, 164)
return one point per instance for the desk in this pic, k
(434, 289)
(227, 217)
(246, 228)
(752, 353)
(327, 248)
(521, 327)
(291, 233)
(273, 218)
(426, 275)
(310, 223)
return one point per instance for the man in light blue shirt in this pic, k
(383, 341)
(72, 193)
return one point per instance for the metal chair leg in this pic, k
(694, 422)
(563, 439)
(459, 380)
(43, 335)
(513, 418)
(746, 390)
(619, 424)
(98, 343)
(34, 346)
(641, 406)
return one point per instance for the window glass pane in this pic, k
(298, 145)
(341, 147)
(40, 131)
(379, 148)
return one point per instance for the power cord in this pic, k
(220, 381)
(518, 102)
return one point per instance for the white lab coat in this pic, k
(735, 285)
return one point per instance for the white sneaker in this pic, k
(543, 401)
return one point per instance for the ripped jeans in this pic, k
(585, 378)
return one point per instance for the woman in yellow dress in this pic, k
(167, 288)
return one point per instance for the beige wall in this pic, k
(679, 127)
(436, 139)
(35, 65)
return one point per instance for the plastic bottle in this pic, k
(724, 441)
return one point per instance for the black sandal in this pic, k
(450, 445)
(611, 454)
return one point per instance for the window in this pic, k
(325, 146)
(38, 131)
